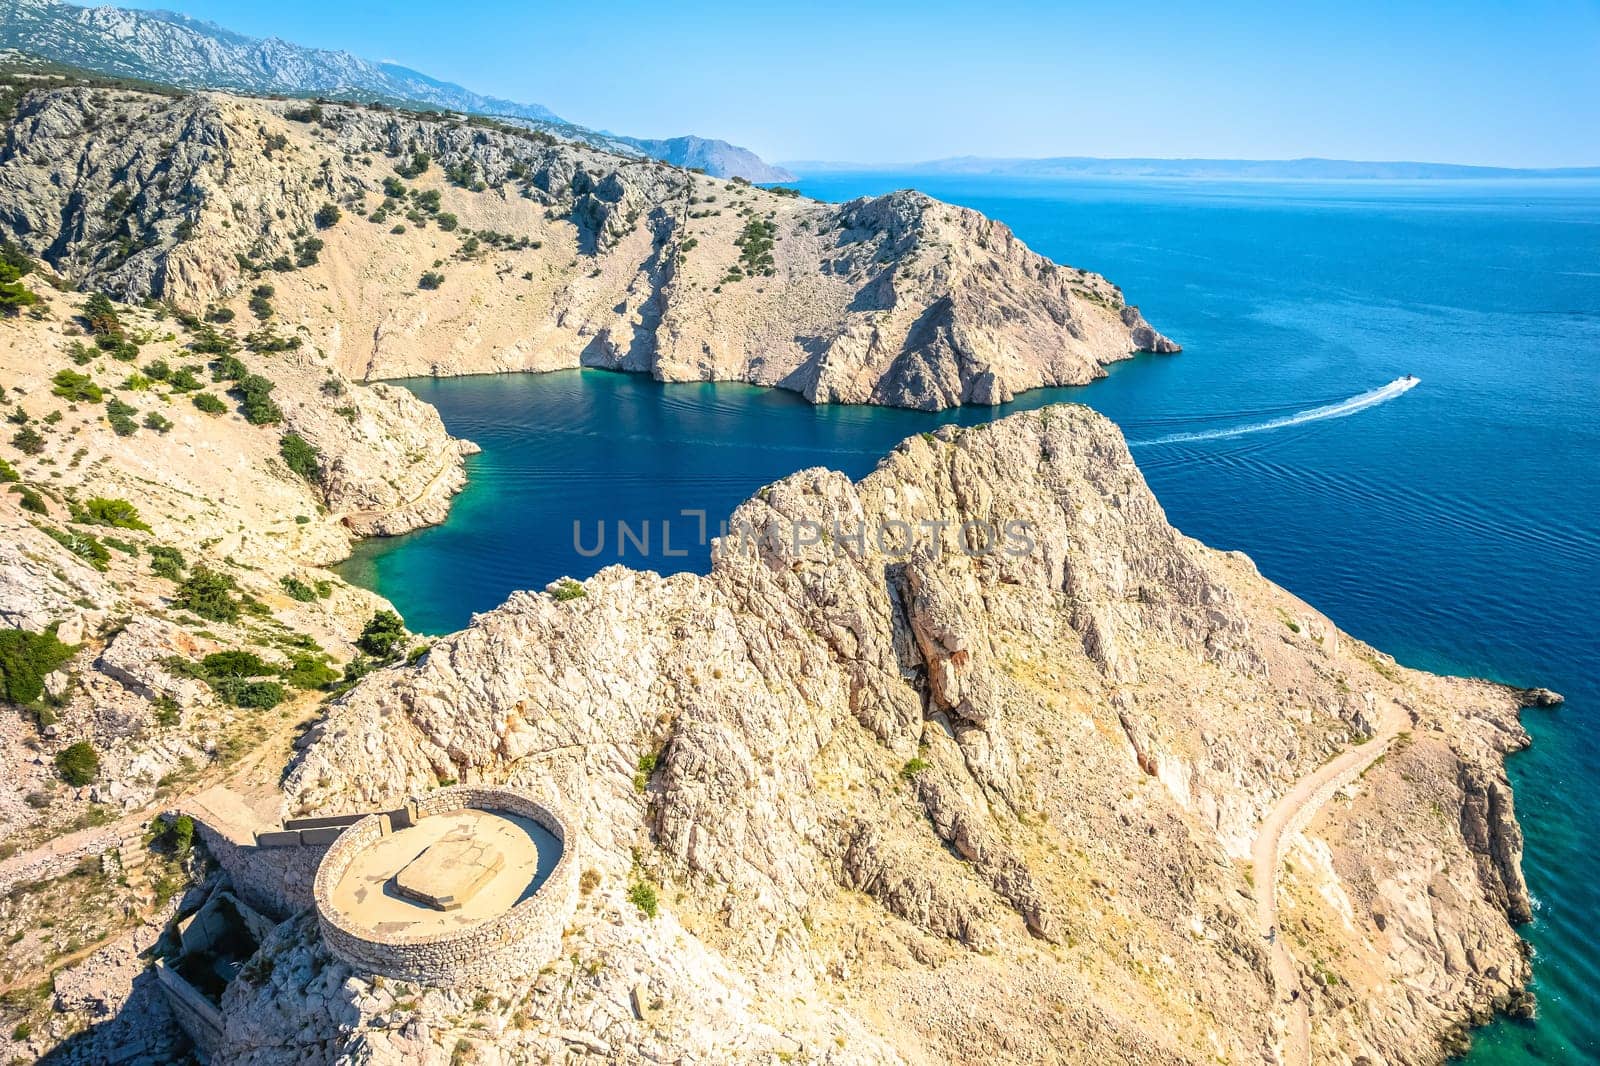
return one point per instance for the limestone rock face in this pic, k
(974, 748)
(554, 255)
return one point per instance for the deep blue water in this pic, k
(1456, 525)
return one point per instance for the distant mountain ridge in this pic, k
(714, 157)
(173, 49)
(1310, 169)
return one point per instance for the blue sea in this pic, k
(1455, 524)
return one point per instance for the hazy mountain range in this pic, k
(173, 49)
(1264, 169)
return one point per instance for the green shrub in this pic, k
(78, 764)
(159, 370)
(297, 589)
(447, 221)
(25, 659)
(208, 594)
(28, 441)
(157, 421)
(84, 545)
(301, 456)
(185, 380)
(235, 664)
(913, 767)
(178, 835)
(102, 511)
(430, 280)
(30, 500)
(208, 341)
(328, 215)
(255, 393)
(101, 316)
(643, 895)
(8, 473)
(310, 672)
(227, 368)
(254, 695)
(568, 589)
(14, 295)
(394, 188)
(76, 387)
(210, 403)
(166, 562)
(123, 546)
(383, 633)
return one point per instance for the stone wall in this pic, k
(275, 881)
(516, 943)
(196, 1014)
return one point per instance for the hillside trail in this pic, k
(1288, 816)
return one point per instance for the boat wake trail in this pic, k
(1370, 398)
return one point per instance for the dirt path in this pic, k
(243, 774)
(1290, 815)
(427, 492)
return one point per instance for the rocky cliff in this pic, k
(410, 246)
(963, 761)
(192, 475)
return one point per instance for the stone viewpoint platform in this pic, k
(479, 885)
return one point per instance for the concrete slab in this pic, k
(369, 895)
(450, 872)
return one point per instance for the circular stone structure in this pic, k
(476, 888)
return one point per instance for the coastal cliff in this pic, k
(403, 245)
(974, 758)
(943, 804)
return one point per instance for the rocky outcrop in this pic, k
(545, 254)
(976, 747)
(206, 489)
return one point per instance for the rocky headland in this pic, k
(458, 246)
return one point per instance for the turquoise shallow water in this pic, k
(1455, 525)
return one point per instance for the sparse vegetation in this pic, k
(642, 894)
(78, 764)
(430, 280)
(104, 511)
(28, 441)
(301, 456)
(383, 633)
(166, 562)
(75, 387)
(209, 594)
(568, 589)
(25, 660)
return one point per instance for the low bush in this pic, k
(84, 545)
(166, 562)
(254, 392)
(382, 635)
(28, 441)
(210, 403)
(78, 764)
(25, 659)
(301, 456)
(209, 594)
(76, 387)
(105, 511)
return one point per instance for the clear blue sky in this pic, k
(1507, 83)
